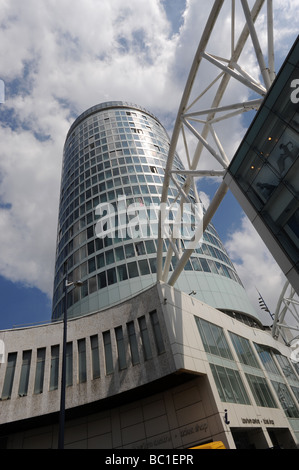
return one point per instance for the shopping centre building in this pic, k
(148, 366)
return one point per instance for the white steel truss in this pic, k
(194, 124)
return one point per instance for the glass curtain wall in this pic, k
(113, 169)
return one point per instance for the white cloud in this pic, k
(59, 58)
(205, 199)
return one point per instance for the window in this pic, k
(267, 359)
(108, 352)
(120, 348)
(9, 375)
(69, 364)
(102, 280)
(54, 372)
(133, 270)
(213, 339)
(153, 265)
(95, 359)
(119, 253)
(261, 391)
(92, 284)
(129, 250)
(40, 370)
(144, 267)
(244, 350)
(133, 343)
(147, 351)
(25, 371)
(150, 246)
(111, 276)
(157, 332)
(229, 385)
(140, 250)
(82, 360)
(100, 261)
(296, 392)
(109, 257)
(122, 272)
(91, 265)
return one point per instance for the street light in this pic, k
(63, 372)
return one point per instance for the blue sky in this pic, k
(55, 66)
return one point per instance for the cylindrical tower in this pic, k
(114, 156)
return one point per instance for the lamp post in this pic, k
(63, 372)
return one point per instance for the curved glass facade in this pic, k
(117, 151)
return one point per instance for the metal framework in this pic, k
(194, 131)
(286, 316)
(195, 136)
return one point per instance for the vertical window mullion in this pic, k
(25, 371)
(82, 360)
(40, 370)
(108, 352)
(9, 375)
(95, 357)
(147, 350)
(120, 348)
(133, 343)
(54, 373)
(157, 332)
(69, 364)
